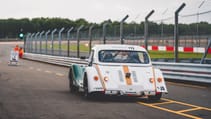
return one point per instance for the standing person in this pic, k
(16, 48)
(21, 52)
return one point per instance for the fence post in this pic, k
(60, 39)
(90, 38)
(52, 39)
(46, 41)
(78, 40)
(104, 32)
(176, 34)
(41, 41)
(68, 41)
(121, 29)
(26, 46)
(206, 51)
(146, 29)
(31, 45)
(36, 41)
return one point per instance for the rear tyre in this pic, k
(72, 88)
(155, 97)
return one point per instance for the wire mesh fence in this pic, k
(160, 33)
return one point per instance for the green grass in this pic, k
(164, 54)
(82, 47)
(153, 54)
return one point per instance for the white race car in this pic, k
(124, 70)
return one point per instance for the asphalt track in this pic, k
(34, 90)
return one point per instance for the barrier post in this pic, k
(121, 29)
(31, 44)
(36, 41)
(52, 41)
(60, 40)
(46, 41)
(41, 41)
(90, 38)
(104, 32)
(78, 40)
(176, 32)
(146, 32)
(68, 41)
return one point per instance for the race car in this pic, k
(121, 70)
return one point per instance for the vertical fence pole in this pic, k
(176, 32)
(206, 51)
(121, 29)
(36, 41)
(90, 38)
(146, 31)
(68, 41)
(78, 40)
(104, 32)
(60, 40)
(52, 41)
(41, 41)
(46, 41)
(31, 45)
(27, 45)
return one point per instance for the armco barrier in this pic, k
(185, 71)
(174, 71)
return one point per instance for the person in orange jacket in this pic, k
(21, 52)
(16, 48)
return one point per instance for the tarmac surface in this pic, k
(35, 90)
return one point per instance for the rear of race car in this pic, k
(126, 80)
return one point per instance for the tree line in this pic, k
(10, 28)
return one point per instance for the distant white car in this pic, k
(124, 70)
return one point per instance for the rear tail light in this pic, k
(96, 78)
(159, 80)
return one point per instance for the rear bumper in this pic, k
(126, 93)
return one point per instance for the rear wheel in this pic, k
(155, 97)
(72, 87)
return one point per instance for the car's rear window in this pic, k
(123, 56)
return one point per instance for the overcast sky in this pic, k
(100, 10)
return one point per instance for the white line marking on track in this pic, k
(59, 74)
(39, 69)
(48, 72)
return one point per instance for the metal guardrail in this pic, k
(185, 71)
(174, 71)
(58, 60)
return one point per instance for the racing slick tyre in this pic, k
(155, 97)
(72, 88)
(87, 95)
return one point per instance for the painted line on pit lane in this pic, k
(47, 71)
(179, 112)
(59, 74)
